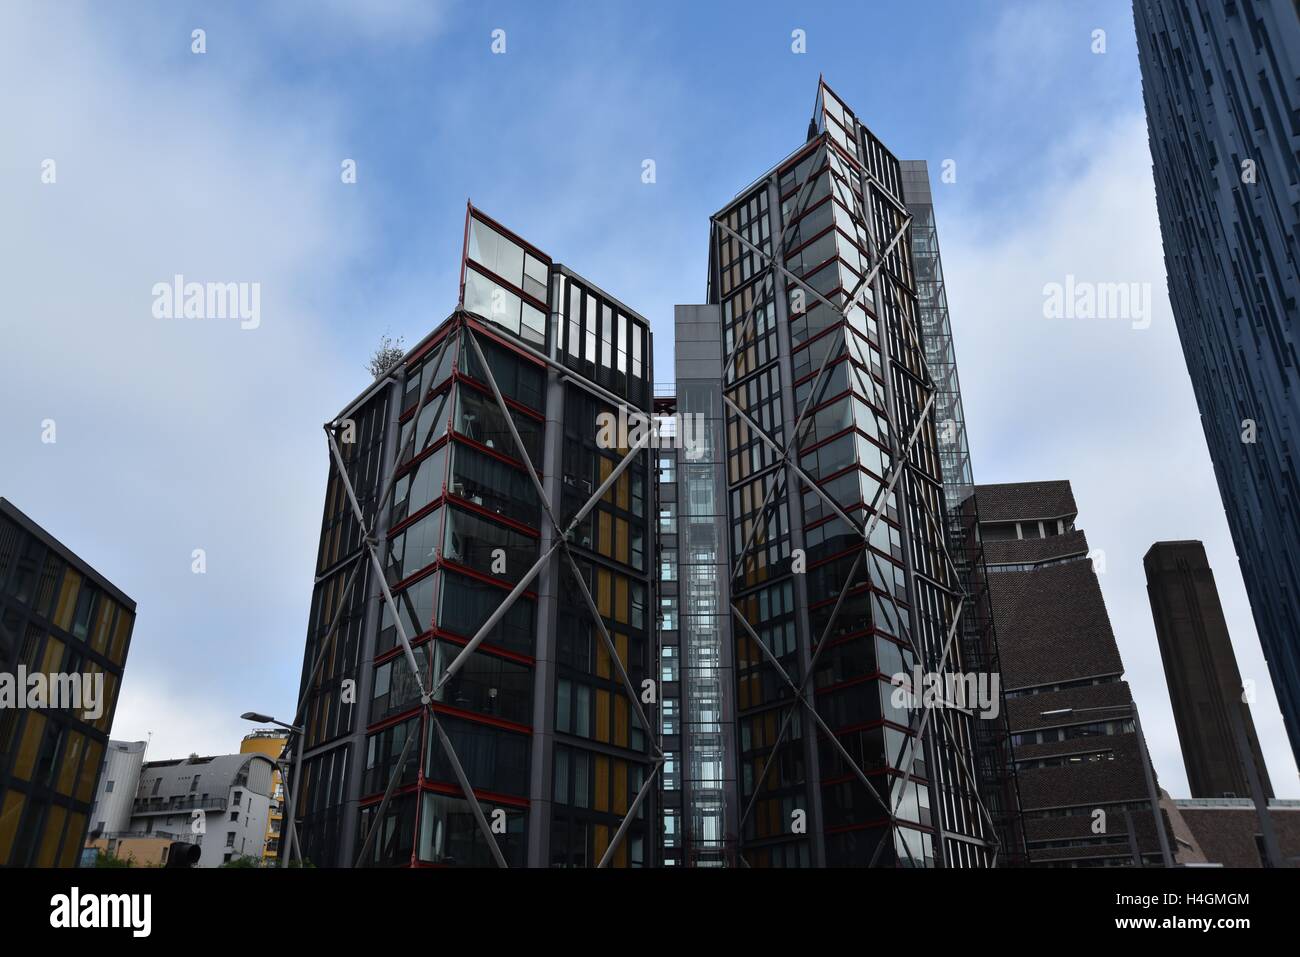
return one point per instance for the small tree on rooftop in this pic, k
(388, 354)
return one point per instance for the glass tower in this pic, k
(481, 626)
(842, 588)
(699, 807)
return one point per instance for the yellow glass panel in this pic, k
(620, 787)
(606, 469)
(89, 769)
(621, 550)
(53, 660)
(102, 625)
(53, 831)
(620, 646)
(312, 720)
(602, 783)
(122, 636)
(620, 721)
(604, 539)
(89, 670)
(602, 659)
(71, 762)
(110, 699)
(621, 603)
(10, 815)
(600, 843)
(603, 589)
(623, 486)
(602, 716)
(67, 600)
(73, 841)
(32, 736)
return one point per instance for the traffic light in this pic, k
(181, 854)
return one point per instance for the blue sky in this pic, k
(225, 166)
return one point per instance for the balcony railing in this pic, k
(158, 805)
(134, 835)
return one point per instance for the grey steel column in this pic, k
(548, 585)
(794, 515)
(350, 823)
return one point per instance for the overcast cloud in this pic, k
(176, 435)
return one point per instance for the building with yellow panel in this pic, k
(517, 548)
(270, 742)
(59, 618)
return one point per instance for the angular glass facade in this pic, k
(524, 698)
(836, 503)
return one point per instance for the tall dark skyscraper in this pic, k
(1219, 80)
(475, 485)
(1086, 784)
(1201, 669)
(58, 617)
(839, 576)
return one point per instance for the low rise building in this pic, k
(221, 803)
(270, 742)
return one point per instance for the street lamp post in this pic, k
(291, 802)
(1147, 770)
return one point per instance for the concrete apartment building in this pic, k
(270, 742)
(221, 803)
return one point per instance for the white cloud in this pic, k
(157, 708)
(340, 22)
(1099, 402)
(172, 434)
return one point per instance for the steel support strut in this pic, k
(561, 541)
(785, 461)
(562, 538)
(330, 633)
(902, 454)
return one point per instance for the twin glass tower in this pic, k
(531, 646)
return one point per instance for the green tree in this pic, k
(105, 859)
